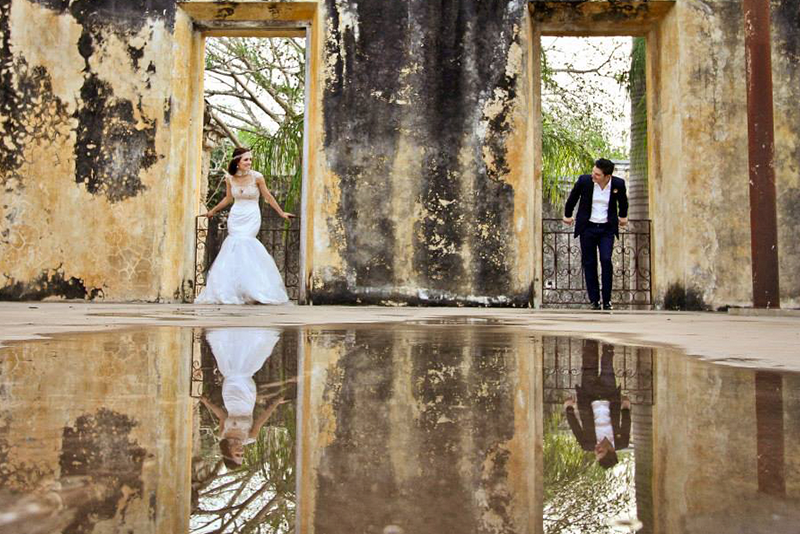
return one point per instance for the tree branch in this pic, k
(228, 133)
(235, 115)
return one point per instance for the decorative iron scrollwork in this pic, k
(563, 281)
(563, 359)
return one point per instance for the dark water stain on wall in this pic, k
(29, 110)
(112, 147)
(126, 16)
(111, 150)
(494, 231)
(456, 54)
(99, 447)
(363, 144)
(49, 283)
(786, 23)
(786, 46)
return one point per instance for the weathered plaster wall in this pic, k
(786, 94)
(700, 200)
(89, 200)
(427, 181)
(699, 192)
(120, 420)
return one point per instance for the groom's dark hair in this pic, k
(605, 165)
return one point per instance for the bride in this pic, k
(240, 353)
(243, 271)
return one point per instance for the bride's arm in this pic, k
(262, 186)
(264, 416)
(216, 410)
(225, 201)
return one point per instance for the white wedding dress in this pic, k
(240, 353)
(243, 271)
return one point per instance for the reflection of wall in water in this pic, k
(706, 441)
(110, 406)
(791, 421)
(432, 431)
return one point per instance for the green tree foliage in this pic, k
(577, 111)
(254, 97)
(579, 495)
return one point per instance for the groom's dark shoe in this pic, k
(596, 306)
(607, 306)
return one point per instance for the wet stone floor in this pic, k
(459, 427)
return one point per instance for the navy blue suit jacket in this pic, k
(583, 190)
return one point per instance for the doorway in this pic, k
(593, 105)
(246, 85)
(254, 97)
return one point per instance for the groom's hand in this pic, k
(568, 220)
(623, 222)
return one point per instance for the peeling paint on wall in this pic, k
(29, 111)
(84, 168)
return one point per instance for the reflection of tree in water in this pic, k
(258, 497)
(579, 495)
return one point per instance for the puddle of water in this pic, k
(397, 428)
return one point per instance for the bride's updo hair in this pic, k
(238, 152)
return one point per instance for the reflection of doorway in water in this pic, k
(254, 96)
(577, 491)
(229, 498)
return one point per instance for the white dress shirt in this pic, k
(600, 199)
(602, 421)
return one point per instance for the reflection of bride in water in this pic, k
(240, 353)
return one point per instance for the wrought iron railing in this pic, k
(281, 239)
(563, 358)
(564, 285)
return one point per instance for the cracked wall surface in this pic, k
(85, 136)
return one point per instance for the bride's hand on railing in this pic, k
(288, 216)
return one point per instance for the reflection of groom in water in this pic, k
(605, 415)
(602, 210)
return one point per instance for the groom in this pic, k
(602, 210)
